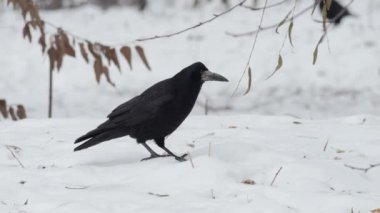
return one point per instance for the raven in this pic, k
(155, 113)
(336, 12)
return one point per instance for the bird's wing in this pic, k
(140, 108)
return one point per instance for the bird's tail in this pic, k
(104, 132)
(99, 138)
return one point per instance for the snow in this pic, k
(344, 81)
(225, 150)
(284, 122)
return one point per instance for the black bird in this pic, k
(336, 12)
(156, 113)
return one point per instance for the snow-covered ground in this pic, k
(285, 122)
(344, 81)
(225, 150)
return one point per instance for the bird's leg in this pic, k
(153, 154)
(161, 143)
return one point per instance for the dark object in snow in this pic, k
(336, 12)
(156, 113)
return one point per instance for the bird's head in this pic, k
(199, 72)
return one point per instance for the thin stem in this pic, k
(215, 16)
(253, 47)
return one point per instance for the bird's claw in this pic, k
(155, 156)
(182, 158)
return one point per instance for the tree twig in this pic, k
(158, 195)
(215, 16)
(275, 176)
(252, 48)
(261, 8)
(287, 20)
(14, 156)
(365, 170)
(76, 187)
(270, 26)
(191, 160)
(325, 147)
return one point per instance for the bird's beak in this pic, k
(210, 76)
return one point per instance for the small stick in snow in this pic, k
(275, 176)
(327, 142)
(365, 170)
(14, 156)
(209, 150)
(158, 195)
(76, 187)
(191, 160)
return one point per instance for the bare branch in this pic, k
(261, 8)
(158, 195)
(191, 160)
(275, 176)
(270, 26)
(365, 170)
(14, 155)
(287, 20)
(253, 47)
(325, 147)
(215, 16)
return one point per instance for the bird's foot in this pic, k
(155, 156)
(182, 158)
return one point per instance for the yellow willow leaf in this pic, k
(290, 29)
(324, 17)
(315, 53)
(283, 20)
(279, 63)
(249, 81)
(328, 4)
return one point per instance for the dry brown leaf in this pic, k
(83, 52)
(98, 68)
(141, 53)
(113, 57)
(26, 32)
(232, 127)
(12, 113)
(52, 53)
(21, 112)
(64, 43)
(91, 48)
(42, 42)
(106, 73)
(60, 50)
(24, 8)
(105, 51)
(3, 108)
(376, 210)
(127, 53)
(248, 181)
